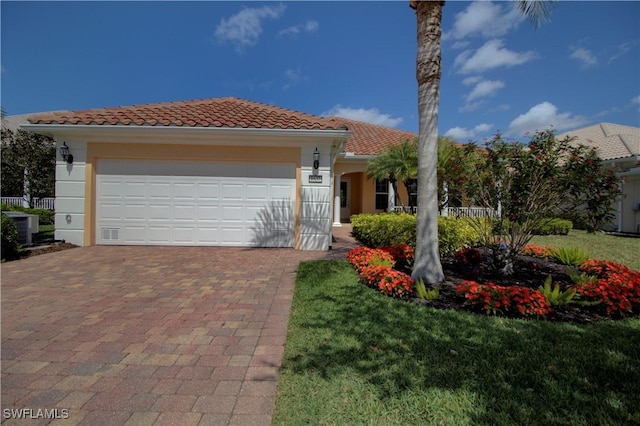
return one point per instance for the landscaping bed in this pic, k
(539, 287)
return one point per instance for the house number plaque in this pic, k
(315, 178)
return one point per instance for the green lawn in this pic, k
(625, 250)
(354, 357)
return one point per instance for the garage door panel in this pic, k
(195, 203)
(208, 191)
(134, 190)
(135, 211)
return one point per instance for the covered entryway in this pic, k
(152, 202)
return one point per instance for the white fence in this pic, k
(454, 211)
(471, 212)
(42, 203)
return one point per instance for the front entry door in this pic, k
(345, 200)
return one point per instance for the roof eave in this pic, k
(67, 130)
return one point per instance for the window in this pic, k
(382, 194)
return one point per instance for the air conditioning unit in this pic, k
(27, 225)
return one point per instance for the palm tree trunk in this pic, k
(427, 264)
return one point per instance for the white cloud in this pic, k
(471, 106)
(635, 100)
(623, 49)
(461, 133)
(460, 44)
(292, 77)
(486, 19)
(468, 81)
(586, 58)
(308, 27)
(490, 55)
(244, 28)
(371, 115)
(541, 117)
(484, 89)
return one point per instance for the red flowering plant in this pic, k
(494, 298)
(402, 253)
(534, 250)
(396, 284)
(618, 286)
(360, 257)
(375, 267)
(468, 261)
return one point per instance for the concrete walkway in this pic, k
(148, 335)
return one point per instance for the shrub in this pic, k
(361, 257)
(617, 286)
(11, 248)
(468, 261)
(537, 251)
(388, 229)
(384, 229)
(45, 217)
(455, 234)
(553, 226)
(569, 256)
(493, 298)
(402, 253)
(554, 296)
(396, 284)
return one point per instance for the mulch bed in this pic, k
(528, 272)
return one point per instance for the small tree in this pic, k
(455, 163)
(397, 163)
(28, 157)
(530, 184)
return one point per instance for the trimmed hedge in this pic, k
(548, 226)
(45, 217)
(555, 226)
(10, 246)
(388, 229)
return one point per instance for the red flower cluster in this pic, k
(494, 298)
(537, 251)
(468, 261)
(380, 276)
(402, 253)
(361, 257)
(618, 287)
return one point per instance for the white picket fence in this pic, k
(471, 212)
(42, 203)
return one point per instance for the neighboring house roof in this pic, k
(613, 141)
(218, 112)
(371, 139)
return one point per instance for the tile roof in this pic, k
(366, 138)
(612, 140)
(218, 112)
(371, 139)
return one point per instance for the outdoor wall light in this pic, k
(316, 159)
(64, 153)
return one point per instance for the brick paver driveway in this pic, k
(146, 335)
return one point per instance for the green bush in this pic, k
(386, 229)
(553, 226)
(10, 246)
(45, 217)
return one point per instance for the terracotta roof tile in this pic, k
(218, 112)
(371, 139)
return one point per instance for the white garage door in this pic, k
(195, 203)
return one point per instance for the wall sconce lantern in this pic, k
(316, 159)
(64, 153)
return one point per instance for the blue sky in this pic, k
(353, 59)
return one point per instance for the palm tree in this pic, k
(427, 264)
(397, 163)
